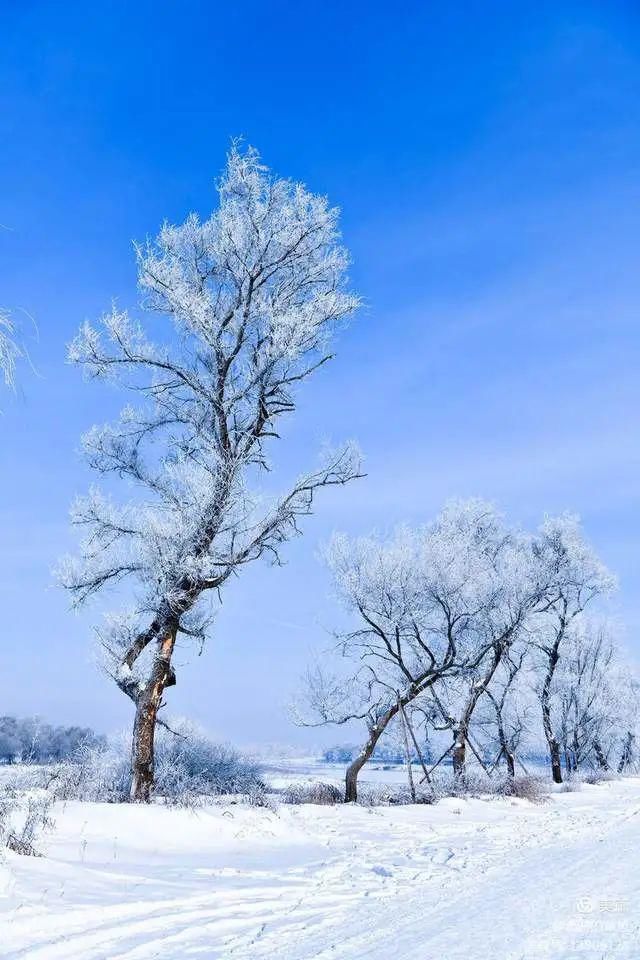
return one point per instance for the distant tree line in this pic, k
(383, 753)
(29, 740)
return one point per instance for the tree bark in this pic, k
(509, 758)
(625, 758)
(554, 747)
(554, 756)
(503, 741)
(600, 757)
(144, 727)
(511, 764)
(407, 753)
(552, 742)
(354, 768)
(461, 730)
(459, 752)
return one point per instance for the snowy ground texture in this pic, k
(477, 879)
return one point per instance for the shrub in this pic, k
(328, 794)
(531, 788)
(98, 773)
(189, 768)
(598, 776)
(570, 785)
(477, 783)
(392, 796)
(192, 766)
(24, 815)
(324, 794)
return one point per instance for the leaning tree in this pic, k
(252, 295)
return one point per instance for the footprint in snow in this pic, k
(442, 856)
(382, 871)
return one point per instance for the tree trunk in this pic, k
(407, 753)
(416, 747)
(142, 751)
(511, 764)
(354, 768)
(552, 743)
(625, 758)
(554, 754)
(461, 731)
(144, 727)
(502, 740)
(459, 752)
(600, 757)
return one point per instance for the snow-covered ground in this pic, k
(477, 879)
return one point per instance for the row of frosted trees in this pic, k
(240, 310)
(478, 632)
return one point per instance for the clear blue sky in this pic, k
(487, 160)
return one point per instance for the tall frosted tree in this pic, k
(251, 296)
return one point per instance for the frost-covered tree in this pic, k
(487, 699)
(507, 716)
(252, 295)
(429, 604)
(575, 578)
(504, 714)
(582, 704)
(31, 740)
(9, 350)
(593, 700)
(514, 599)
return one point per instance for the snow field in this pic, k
(494, 879)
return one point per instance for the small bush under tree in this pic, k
(190, 768)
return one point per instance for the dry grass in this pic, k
(323, 794)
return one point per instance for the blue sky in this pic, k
(487, 160)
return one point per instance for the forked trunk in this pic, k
(144, 727)
(461, 730)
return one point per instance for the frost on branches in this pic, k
(575, 577)
(253, 295)
(592, 699)
(438, 602)
(9, 350)
(459, 620)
